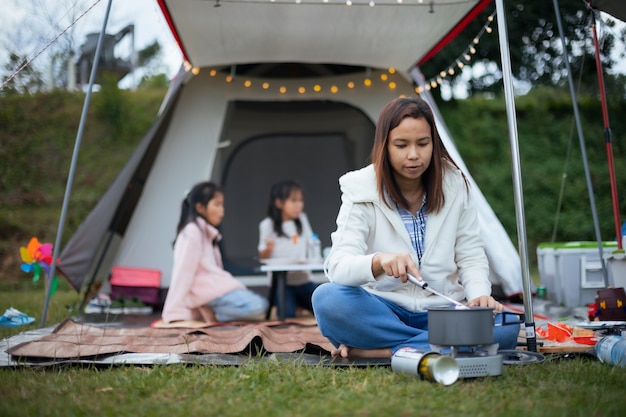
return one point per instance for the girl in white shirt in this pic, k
(284, 233)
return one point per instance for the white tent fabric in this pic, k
(390, 34)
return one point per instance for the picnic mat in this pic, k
(71, 339)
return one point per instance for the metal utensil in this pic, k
(424, 285)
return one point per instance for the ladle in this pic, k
(424, 285)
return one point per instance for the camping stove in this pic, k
(474, 361)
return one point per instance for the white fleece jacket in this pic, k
(454, 260)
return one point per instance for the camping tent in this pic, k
(269, 90)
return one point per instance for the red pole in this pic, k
(607, 133)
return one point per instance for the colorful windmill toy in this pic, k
(37, 258)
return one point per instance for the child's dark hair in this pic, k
(281, 191)
(200, 193)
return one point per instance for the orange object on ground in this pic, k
(559, 332)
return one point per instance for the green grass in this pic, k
(561, 386)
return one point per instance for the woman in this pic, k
(409, 212)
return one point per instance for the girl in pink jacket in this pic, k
(200, 288)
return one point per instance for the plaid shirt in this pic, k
(416, 226)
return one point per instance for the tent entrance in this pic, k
(312, 142)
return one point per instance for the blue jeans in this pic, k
(297, 296)
(239, 305)
(357, 318)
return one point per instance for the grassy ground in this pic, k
(561, 386)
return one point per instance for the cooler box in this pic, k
(546, 260)
(579, 273)
(617, 265)
(127, 282)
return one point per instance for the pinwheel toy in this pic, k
(37, 258)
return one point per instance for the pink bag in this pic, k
(144, 284)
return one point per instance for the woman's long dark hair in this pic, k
(200, 193)
(390, 117)
(281, 191)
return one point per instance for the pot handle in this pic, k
(520, 318)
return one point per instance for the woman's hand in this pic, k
(397, 265)
(486, 301)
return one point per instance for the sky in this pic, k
(16, 16)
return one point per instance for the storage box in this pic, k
(617, 265)
(579, 273)
(546, 260)
(127, 282)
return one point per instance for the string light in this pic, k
(388, 78)
(463, 59)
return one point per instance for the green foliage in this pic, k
(551, 159)
(37, 134)
(148, 54)
(535, 48)
(26, 81)
(157, 81)
(111, 104)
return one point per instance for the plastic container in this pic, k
(612, 350)
(572, 271)
(314, 249)
(546, 260)
(616, 262)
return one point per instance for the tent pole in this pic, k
(607, 132)
(507, 76)
(581, 139)
(70, 179)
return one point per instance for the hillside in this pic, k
(37, 135)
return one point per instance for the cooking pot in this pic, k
(472, 326)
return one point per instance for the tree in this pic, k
(534, 45)
(26, 81)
